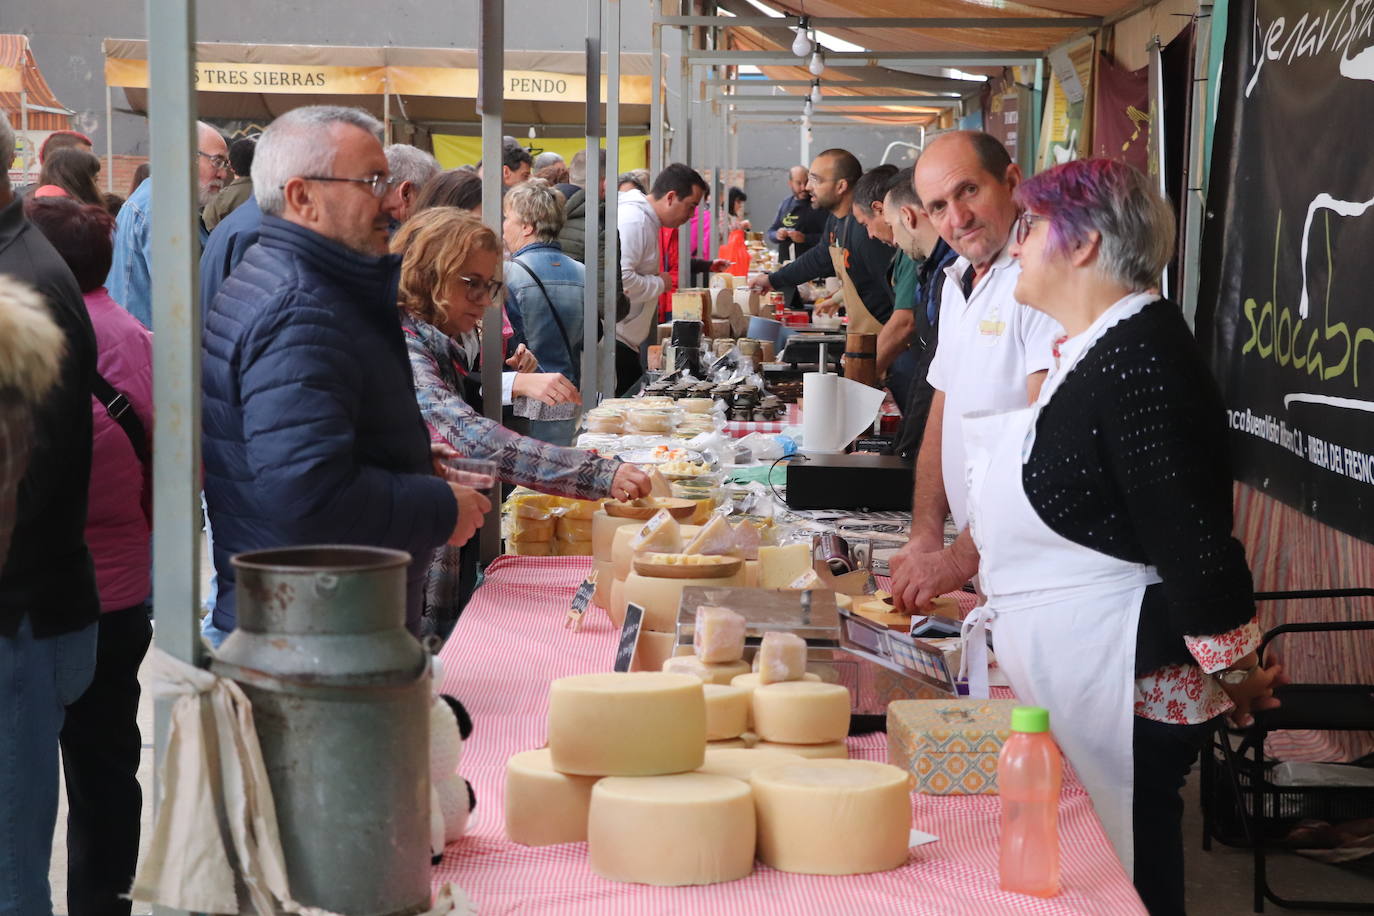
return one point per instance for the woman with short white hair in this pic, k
(546, 289)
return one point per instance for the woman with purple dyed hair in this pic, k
(1102, 514)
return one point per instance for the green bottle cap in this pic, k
(1031, 719)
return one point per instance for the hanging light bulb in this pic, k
(817, 65)
(807, 108)
(816, 92)
(801, 45)
(531, 131)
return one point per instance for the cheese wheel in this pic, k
(524, 530)
(727, 711)
(751, 680)
(712, 673)
(740, 762)
(692, 828)
(661, 598)
(604, 528)
(580, 509)
(605, 576)
(544, 806)
(572, 529)
(835, 749)
(832, 817)
(801, 712)
(652, 650)
(616, 609)
(643, 724)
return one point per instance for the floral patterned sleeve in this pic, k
(520, 459)
(1213, 653)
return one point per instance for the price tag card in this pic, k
(581, 598)
(629, 637)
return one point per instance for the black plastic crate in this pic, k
(1284, 806)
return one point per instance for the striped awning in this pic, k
(22, 87)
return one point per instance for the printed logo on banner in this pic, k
(1285, 305)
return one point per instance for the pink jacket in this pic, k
(119, 517)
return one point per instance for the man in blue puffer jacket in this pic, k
(311, 430)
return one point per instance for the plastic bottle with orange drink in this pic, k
(1029, 774)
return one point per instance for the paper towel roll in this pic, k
(835, 411)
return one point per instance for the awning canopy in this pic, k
(22, 87)
(427, 86)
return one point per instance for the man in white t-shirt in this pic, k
(993, 352)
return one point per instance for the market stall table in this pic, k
(510, 644)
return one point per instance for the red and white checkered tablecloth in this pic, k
(738, 429)
(510, 643)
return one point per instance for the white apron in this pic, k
(1063, 616)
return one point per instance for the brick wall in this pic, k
(124, 167)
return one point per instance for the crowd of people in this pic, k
(1054, 406)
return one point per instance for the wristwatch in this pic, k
(1232, 677)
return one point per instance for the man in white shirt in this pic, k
(675, 194)
(993, 352)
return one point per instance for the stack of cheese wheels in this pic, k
(718, 644)
(792, 709)
(832, 817)
(532, 526)
(572, 530)
(622, 555)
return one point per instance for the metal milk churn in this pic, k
(340, 693)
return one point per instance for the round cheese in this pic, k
(604, 578)
(524, 530)
(643, 724)
(661, 598)
(751, 680)
(604, 528)
(835, 749)
(692, 828)
(801, 712)
(544, 806)
(832, 817)
(652, 650)
(727, 711)
(616, 609)
(712, 673)
(741, 762)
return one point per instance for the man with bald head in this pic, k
(798, 225)
(130, 279)
(993, 352)
(859, 262)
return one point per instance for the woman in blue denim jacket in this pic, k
(545, 289)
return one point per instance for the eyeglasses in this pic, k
(1024, 224)
(219, 162)
(480, 290)
(378, 183)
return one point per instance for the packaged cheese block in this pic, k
(719, 634)
(801, 712)
(727, 711)
(692, 828)
(525, 530)
(834, 749)
(605, 577)
(715, 537)
(531, 548)
(696, 405)
(652, 650)
(740, 762)
(710, 672)
(780, 566)
(544, 806)
(616, 609)
(660, 534)
(661, 598)
(831, 817)
(572, 529)
(643, 724)
(781, 657)
(571, 548)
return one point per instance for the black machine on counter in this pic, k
(854, 481)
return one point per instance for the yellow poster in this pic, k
(453, 151)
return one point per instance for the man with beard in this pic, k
(311, 430)
(798, 225)
(130, 281)
(858, 261)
